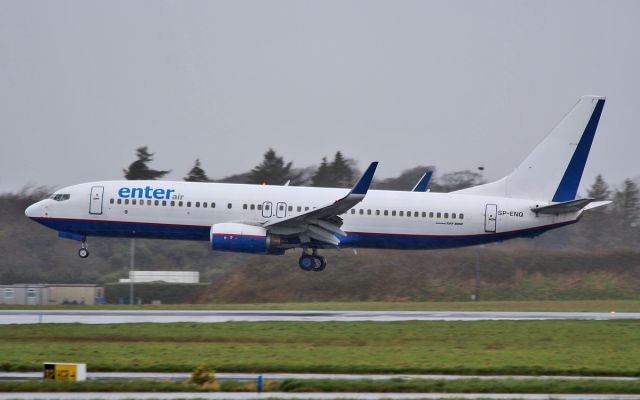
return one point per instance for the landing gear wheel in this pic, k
(307, 262)
(321, 263)
(83, 252)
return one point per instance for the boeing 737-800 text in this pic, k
(537, 196)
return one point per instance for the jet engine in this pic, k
(244, 238)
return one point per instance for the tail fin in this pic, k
(552, 172)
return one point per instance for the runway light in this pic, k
(612, 312)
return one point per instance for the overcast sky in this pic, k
(455, 84)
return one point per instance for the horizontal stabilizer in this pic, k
(596, 204)
(564, 207)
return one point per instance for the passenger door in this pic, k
(95, 202)
(490, 216)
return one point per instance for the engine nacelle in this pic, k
(244, 238)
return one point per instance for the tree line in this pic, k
(340, 172)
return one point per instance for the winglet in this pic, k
(362, 186)
(422, 184)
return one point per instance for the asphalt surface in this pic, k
(162, 316)
(288, 395)
(229, 376)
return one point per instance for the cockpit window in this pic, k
(60, 197)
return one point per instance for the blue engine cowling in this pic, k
(243, 238)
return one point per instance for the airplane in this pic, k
(539, 195)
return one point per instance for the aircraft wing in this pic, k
(323, 223)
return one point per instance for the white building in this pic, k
(163, 276)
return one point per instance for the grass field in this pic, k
(482, 347)
(296, 385)
(577, 305)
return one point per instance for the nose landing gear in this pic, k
(312, 262)
(83, 252)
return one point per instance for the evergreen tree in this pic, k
(322, 177)
(273, 170)
(595, 228)
(139, 170)
(627, 204)
(197, 174)
(342, 171)
(599, 190)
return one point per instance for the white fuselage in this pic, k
(384, 219)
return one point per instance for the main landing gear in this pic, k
(83, 252)
(312, 262)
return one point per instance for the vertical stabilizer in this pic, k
(552, 172)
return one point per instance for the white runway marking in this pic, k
(162, 316)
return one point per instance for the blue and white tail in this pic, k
(552, 172)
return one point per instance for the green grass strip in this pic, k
(609, 347)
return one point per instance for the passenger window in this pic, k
(306, 208)
(253, 206)
(213, 205)
(386, 213)
(259, 207)
(229, 205)
(244, 206)
(377, 212)
(188, 204)
(299, 208)
(179, 204)
(133, 202)
(431, 214)
(453, 215)
(446, 215)
(173, 203)
(290, 208)
(424, 214)
(267, 207)
(401, 214)
(126, 201)
(393, 213)
(281, 207)
(148, 202)
(119, 201)
(368, 211)
(164, 203)
(353, 211)
(439, 215)
(461, 216)
(111, 201)
(204, 204)
(157, 202)
(197, 204)
(361, 211)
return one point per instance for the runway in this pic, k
(213, 316)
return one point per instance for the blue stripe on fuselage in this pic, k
(353, 239)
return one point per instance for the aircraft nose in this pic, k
(34, 210)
